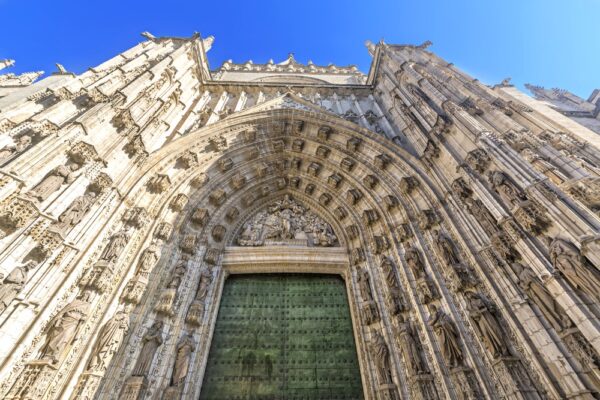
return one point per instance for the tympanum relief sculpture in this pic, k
(286, 222)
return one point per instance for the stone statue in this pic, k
(115, 246)
(63, 328)
(483, 314)
(109, 339)
(150, 343)
(363, 283)
(178, 274)
(22, 144)
(537, 292)
(53, 181)
(568, 260)
(381, 357)
(483, 216)
(411, 349)
(506, 188)
(185, 348)
(76, 211)
(447, 249)
(390, 274)
(205, 281)
(148, 259)
(13, 283)
(413, 259)
(447, 336)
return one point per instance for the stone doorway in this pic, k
(283, 336)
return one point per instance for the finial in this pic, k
(425, 45)
(61, 69)
(6, 63)
(506, 82)
(208, 42)
(370, 47)
(148, 36)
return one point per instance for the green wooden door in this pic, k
(286, 336)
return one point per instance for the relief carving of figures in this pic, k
(115, 246)
(109, 340)
(413, 259)
(13, 283)
(508, 190)
(9, 151)
(53, 181)
(286, 220)
(567, 259)
(409, 342)
(148, 260)
(447, 335)
(537, 292)
(185, 348)
(75, 212)
(63, 328)
(150, 343)
(381, 357)
(484, 315)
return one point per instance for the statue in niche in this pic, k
(148, 259)
(13, 284)
(286, 220)
(63, 328)
(506, 188)
(447, 249)
(537, 292)
(390, 274)
(75, 212)
(483, 216)
(178, 274)
(484, 315)
(362, 276)
(115, 246)
(205, 281)
(185, 348)
(568, 260)
(381, 357)
(413, 259)
(8, 151)
(150, 343)
(411, 348)
(53, 181)
(447, 335)
(109, 340)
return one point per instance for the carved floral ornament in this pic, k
(286, 222)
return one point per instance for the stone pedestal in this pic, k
(465, 384)
(134, 388)
(33, 381)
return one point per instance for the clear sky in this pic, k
(553, 43)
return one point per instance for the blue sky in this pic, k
(552, 43)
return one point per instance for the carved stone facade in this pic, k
(463, 220)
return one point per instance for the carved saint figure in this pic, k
(178, 274)
(76, 211)
(63, 328)
(390, 275)
(537, 292)
(205, 280)
(13, 283)
(483, 313)
(447, 249)
(413, 259)
(109, 339)
(148, 259)
(483, 216)
(115, 246)
(21, 145)
(411, 348)
(185, 348)
(381, 357)
(447, 336)
(53, 181)
(150, 343)
(568, 260)
(506, 188)
(363, 282)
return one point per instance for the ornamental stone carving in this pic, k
(381, 357)
(179, 202)
(16, 214)
(151, 341)
(159, 183)
(478, 160)
(58, 177)
(13, 284)
(100, 183)
(411, 348)
(508, 190)
(9, 152)
(576, 269)
(286, 222)
(136, 217)
(447, 335)
(108, 342)
(485, 318)
(185, 348)
(75, 213)
(81, 153)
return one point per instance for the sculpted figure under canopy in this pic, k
(76, 211)
(568, 260)
(482, 312)
(447, 336)
(381, 357)
(13, 283)
(115, 246)
(63, 328)
(53, 181)
(109, 340)
(185, 348)
(150, 343)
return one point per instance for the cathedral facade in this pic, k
(292, 231)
